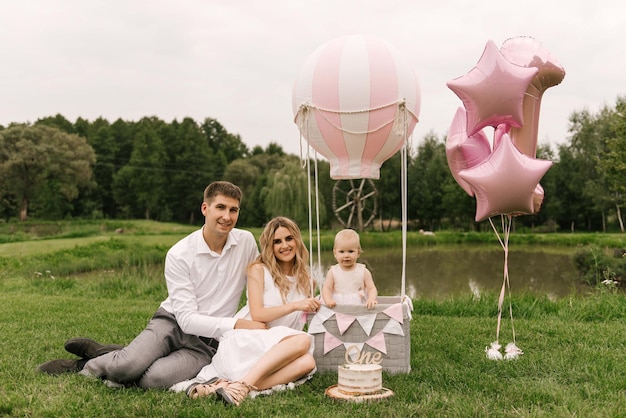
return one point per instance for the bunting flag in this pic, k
(393, 327)
(344, 321)
(331, 342)
(395, 312)
(367, 322)
(377, 342)
(316, 325)
(324, 313)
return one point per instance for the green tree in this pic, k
(427, 177)
(102, 139)
(226, 146)
(251, 175)
(38, 161)
(60, 122)
(567, 180)
(459, 207)
(138, 187)
(188, 169)
(389, 190)
(324, 188)
(612, 164)
(591, 134)
(250, 178)
(286, 195)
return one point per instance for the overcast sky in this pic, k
(236, 61)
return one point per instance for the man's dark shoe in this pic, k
(62, 366)
(87, 348)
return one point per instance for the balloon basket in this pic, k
(355, 334)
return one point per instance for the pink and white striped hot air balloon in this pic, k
(356, 101)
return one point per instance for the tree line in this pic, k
(151, 169)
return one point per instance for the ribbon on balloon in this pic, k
(503, 91)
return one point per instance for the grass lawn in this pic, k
(574, 361)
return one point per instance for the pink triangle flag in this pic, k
(331, 342)
(395, 312)
(344, 321)
(378, 342)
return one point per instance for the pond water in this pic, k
(443, 272)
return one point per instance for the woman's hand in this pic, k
(308, 305)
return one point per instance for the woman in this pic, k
(279, 291)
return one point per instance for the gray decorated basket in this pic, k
(355, 334)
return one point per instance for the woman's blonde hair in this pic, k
(299, 268)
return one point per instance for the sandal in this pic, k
(234, 393)
(203, 390)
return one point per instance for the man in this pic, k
(205, 274)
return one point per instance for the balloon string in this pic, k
(317, 215)
(306, 163)
(404, 197)
(509, 219)
(506, 229)
(310, 215)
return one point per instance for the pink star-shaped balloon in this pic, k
(493, 91)
(506, 182)
(464, 151)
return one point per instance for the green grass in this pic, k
(573, 365)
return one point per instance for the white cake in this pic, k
(360, 379)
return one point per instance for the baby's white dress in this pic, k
(240, 349)
(349, 285)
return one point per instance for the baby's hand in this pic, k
(371, 303)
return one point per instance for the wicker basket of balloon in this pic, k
(355, 334)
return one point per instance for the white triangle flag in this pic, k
(316, 326)
(324, 313)
(393, 327)
(354, 354)
(367, 322)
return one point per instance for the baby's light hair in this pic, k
(348, 234)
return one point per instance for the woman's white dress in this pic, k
(240, 349)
